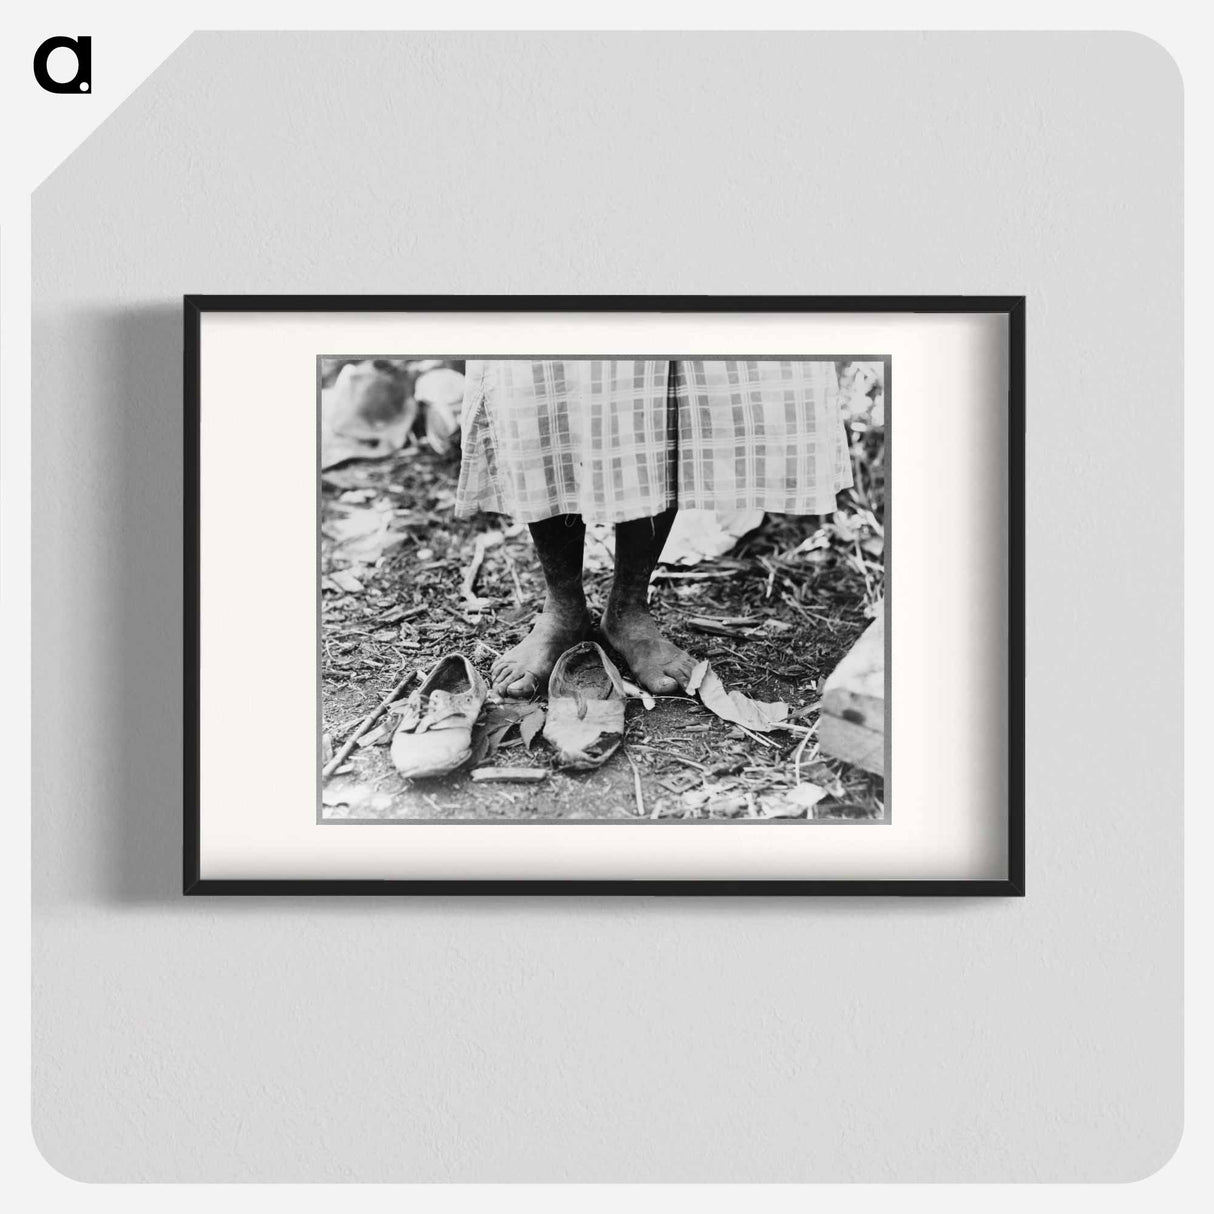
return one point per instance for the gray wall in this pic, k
(632, 1039)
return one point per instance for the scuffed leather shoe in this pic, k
(434, 736)
(585, 721)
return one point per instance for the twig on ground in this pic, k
(518, 586)
(863, 568)
(809, 615)
(668, 575)
(722, 628)
(670, 755)
(348, 745)
(484, 542)
(796, 765)
(771, 575)
(750, 733)
(636, 784)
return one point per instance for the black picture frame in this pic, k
(1012, 306)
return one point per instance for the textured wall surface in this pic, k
(633, 1039)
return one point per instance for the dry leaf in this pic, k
(530, 725)
(346, 581)
(377, 736)
(363, 534)
(498, 721)
(698, 534)
(695, 797)
(347, 791)
(773, 628)
(697, 677)
(806, 794)
(493, 738)
(759, 715)
(794, 802)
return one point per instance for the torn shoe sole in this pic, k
(586, 697)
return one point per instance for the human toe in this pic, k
(661, 685)
(523, 687)
(504, 673)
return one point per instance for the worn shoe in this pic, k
(434, 736)
(585, 721)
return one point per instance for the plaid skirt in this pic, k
(618, 439)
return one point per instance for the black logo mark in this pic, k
(82, 81)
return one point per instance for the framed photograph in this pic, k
(660, 595)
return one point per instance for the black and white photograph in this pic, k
(603, 589)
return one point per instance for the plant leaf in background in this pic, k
(699, 535)
(367, 412)
(440, 393)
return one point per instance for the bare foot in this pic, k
(656, 663)
(524, 670)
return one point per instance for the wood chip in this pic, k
(515, 775)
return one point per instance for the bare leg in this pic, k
(656, 663)
(523, 671)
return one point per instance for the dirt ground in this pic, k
(393, 558)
